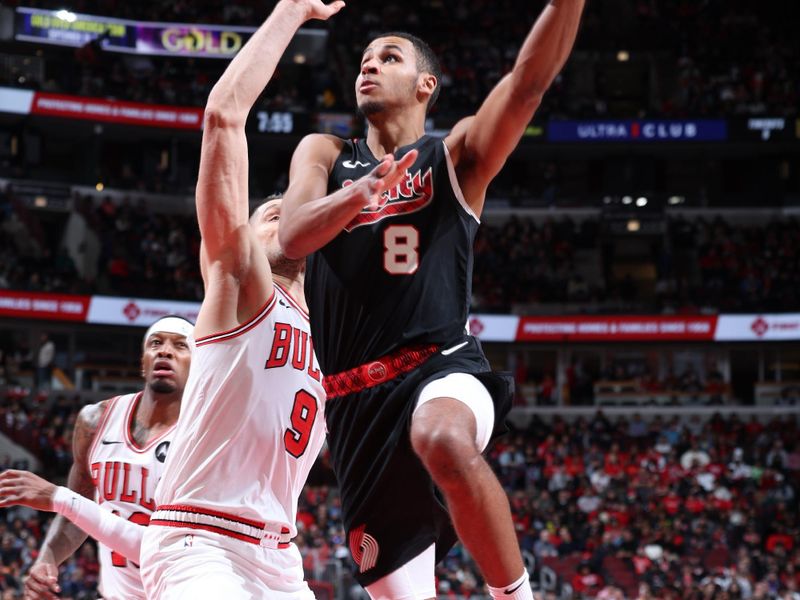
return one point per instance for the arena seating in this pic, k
(697, 57)
(521, 264)
(688, 505)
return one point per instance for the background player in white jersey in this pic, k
(119, 448)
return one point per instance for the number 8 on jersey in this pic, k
(401, 249)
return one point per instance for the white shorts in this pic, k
(413, 581)
(192, 564)
(467, 389)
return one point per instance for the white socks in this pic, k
(519, 590)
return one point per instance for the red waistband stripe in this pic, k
(270, 534)
(377, 372)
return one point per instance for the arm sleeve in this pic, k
(113, 531)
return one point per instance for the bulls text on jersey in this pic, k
(118, 481)
(290, 341)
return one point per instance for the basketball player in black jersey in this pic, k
(388, 224)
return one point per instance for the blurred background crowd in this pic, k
(696, 57)
(658, 508)
(699, 265)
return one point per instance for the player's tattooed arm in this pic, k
(481, 144)
(63, 538)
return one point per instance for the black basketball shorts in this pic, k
(392, 510)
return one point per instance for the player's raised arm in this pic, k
(222, 191)
(481, 144)
(309, 218)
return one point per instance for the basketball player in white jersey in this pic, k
(251, 424)
(119, 449)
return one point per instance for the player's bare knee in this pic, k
(446, 450)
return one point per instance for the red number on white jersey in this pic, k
(304, 412)
(139, 518)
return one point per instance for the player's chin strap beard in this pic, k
(368, 109)
(161, 387)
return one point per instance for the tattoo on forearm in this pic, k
(63, 538)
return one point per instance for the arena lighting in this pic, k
(623, 56)
(65, 15)
(673, 200)
(99, 187)
(641, 202)
(607, 200)
(634, 225)
(627, 199)
(300, 59)
(40, 201)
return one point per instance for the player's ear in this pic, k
(426, 85)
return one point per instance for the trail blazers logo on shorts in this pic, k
(364, 548)
(412, 195)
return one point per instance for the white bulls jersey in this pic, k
(251, 422)
(125, 477)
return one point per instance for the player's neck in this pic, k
(156, 410)
(295, 287)
(388, 132)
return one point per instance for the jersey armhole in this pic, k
(451, 171)
(239, 329)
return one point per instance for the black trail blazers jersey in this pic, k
(398, 275)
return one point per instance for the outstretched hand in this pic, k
(387, 175)
(317, 9)
(42, 581)
(23, 487)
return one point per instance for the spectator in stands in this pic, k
(44, 362)
(585, 582)
(637, 427)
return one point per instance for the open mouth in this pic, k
(163, 368)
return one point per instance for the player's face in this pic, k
(265, 226)
(165, 362)
(388, 77)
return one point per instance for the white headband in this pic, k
(170, 325)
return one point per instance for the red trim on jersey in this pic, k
(132, 444)
(377, 372)
(292, 301)
(99, 432)
(240, 329)
(213, 513)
